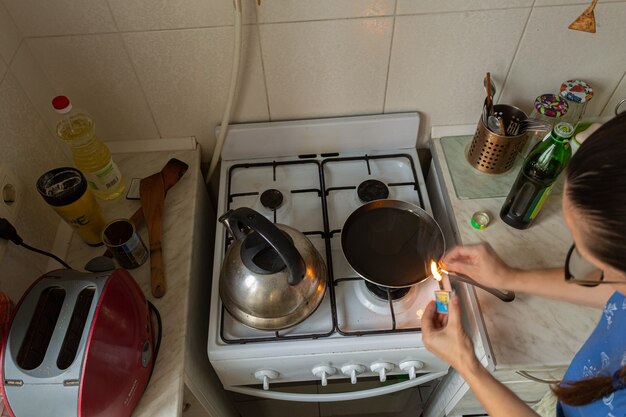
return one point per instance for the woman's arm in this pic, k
(483, 264)
(444, 336)
(550, 283)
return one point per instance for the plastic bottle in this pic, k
(540, 170)
(91, 156)
(581, 135)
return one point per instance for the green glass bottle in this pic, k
(541, 169)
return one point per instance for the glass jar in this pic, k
(548, 108)
(577, 93)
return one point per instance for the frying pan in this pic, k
(392, 243)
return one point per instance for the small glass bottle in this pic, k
(577, 93)
(548, 108)
(540, 170)
(90, 155)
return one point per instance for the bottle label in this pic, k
(106, 178)
(534, 208)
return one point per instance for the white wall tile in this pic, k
(10, 36)
(326, 68)
(172, 14)
(618, 95)
(28, 149)
(35, 84)
(95, 72)
(186, 75)
(297, 10)
(438, 6)
(550, 53)
(61, 17)
(439, 72)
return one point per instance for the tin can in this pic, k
(124, 243)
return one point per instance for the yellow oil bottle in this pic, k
(90, 155)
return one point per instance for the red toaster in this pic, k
(80, 344)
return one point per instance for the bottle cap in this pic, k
(577, 91)
(564, 130)
(61, 104)
(551, 105)
(480, 220)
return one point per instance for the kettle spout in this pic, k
(231, 222)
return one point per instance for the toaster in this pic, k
(80, 344)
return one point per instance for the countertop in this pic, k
(530, 332)
(164, 394)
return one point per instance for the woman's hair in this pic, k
(596, 187)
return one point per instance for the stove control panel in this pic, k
(272, 371)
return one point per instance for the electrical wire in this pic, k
(43, 252)
(8, 232)
(157, 342)
(217, 151)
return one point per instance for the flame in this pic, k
(435, 271)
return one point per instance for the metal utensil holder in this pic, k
(493, 153)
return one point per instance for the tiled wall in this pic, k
(160, 68)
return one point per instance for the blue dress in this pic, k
(602, 354)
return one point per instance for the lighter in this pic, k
(442, 298)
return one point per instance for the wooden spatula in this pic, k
(152, 192)
(586, 22)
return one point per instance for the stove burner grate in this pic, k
(327, 235)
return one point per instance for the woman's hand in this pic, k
(481, 263)
(443, 335)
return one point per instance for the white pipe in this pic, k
(217, 151)
(342, 396)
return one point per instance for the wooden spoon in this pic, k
(152, 191)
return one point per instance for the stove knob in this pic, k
(266, 375)
(411, 367)
(382, 368)
(323, 371)
(352, 370)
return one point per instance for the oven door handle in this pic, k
(341, 396)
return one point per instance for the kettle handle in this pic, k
(235, 220)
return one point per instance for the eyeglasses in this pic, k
(582, 272)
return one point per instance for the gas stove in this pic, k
(311, 175)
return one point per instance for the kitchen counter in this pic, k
(530, 333)
(187, 257)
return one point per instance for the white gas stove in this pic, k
(311, 175)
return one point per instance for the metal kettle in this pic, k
(272, 276)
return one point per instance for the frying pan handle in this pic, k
(506, 296)
(236, 220)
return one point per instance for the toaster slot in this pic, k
(69, 348)
(35, 344)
